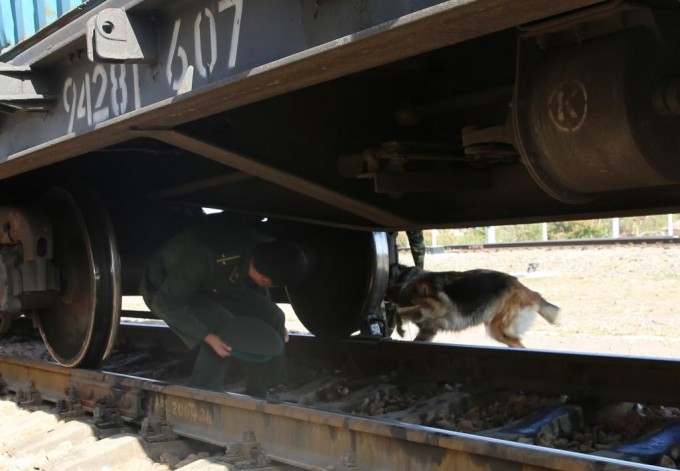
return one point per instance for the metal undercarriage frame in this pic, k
(160, 65)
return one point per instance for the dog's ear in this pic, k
(400, 273)
(395, 270)
(409, 272)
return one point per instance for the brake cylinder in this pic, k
(598, 116)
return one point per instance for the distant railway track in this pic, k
(553, 243)
(367, 404)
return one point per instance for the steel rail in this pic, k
(300, 436)
(612, 378)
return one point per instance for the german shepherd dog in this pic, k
(451, 300)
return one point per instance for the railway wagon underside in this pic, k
(337, 121)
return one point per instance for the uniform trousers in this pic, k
(210, 369)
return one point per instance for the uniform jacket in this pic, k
(206, 261)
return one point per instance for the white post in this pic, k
(545, 231)
(491, 235)
(670, 225)
(615, 228)
(433, 233)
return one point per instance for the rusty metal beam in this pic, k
(276, 176)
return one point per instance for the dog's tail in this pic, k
(548, 311)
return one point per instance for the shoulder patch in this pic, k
(224, 259)
(230, 265)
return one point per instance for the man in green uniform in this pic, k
(210, 285)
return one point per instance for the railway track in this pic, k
(361, 404)
(554, 243)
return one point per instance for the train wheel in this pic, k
(80, 327)
(347, 280)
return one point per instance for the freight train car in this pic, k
(337, 121)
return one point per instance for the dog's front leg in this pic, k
(406, 313)
(425, 332)
(409, 313)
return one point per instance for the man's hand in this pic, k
(222, 349)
